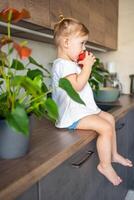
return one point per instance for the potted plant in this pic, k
(98, 79)
(22, 90)
(98, 76)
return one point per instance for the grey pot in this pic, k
(12, 144)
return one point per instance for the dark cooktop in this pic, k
(106, 106)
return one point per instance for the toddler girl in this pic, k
(70, 38)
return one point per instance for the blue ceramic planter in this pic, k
(12, 144)
(107, 94)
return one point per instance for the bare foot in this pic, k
(110, 174)
(120, 159)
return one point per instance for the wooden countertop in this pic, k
(49, 148)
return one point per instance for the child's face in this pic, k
(76, 45)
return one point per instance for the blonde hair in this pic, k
(68, 26)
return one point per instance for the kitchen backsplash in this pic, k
(43, 53)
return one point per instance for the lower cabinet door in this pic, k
(122, 136)
(130, 132)
(122, 147)
(78, 179)
(75, 179)
(30, 194)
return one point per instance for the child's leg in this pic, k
(115, 156)
(104, 144)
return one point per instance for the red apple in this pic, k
(81, 57)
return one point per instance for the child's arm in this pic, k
(78, 81)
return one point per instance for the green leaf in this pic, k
(33, 73)
(51, 108)
(3, 96)
(94, 84)
(27, 84)
(10, 50)
(16, 64)
(66, 85)
(98, 77)
(31, 60)
(44, 88)
(1, 82)
(37, 106)
(38, 81)
(16, 81)
(3, 105)
(31, 87)
(18, 120)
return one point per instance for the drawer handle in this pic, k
(79, 163)
(120, 126)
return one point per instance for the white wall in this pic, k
(43, 53)
(124, 56)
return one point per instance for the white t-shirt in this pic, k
(69, 110)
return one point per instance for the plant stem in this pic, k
(10, 100)
(1, 89)
(23, 98)
(35, 99)
(27, 64)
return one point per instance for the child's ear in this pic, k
(66, 42)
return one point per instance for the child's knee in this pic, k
(112, 119)
(108, 130)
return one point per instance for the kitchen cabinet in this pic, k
(30, 194)
(103, 22)
(39, 10)
(69, 9)
(57, 8)
(130, 132)
(4, 4)
(111, 23)
(80, 10)
(84, 182)
(100, 17)
(122, 147)
(97, 21)
(78, 178)
(122, 137)
(78, 181)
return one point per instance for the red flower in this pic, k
(16, 15)
(23, 51)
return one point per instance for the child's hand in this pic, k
(88, 60)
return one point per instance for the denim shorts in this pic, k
(73, 126)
